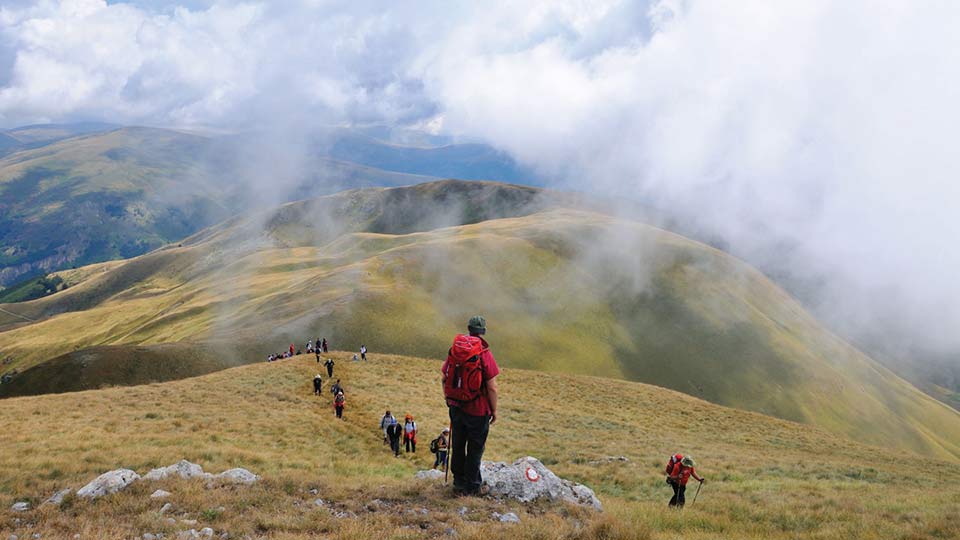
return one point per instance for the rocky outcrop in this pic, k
(181, 469)
(527, 480)
(107, 483)
(57, 498)
(237, 476)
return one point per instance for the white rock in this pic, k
(527, 480)
(430, 474)
(186, 535)
(509, 517)
(319, 502)
(159, 494)
(188, 521)
(57, 498)
(12, 537)
(149, 536)
(206, 532)
(182, 469)
(109, 482)
(166, 508)
(20, 507)
(238, 475)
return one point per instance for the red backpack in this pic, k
(674, 459)
(464, 376)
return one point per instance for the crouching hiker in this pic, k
(681, 471)
(439, 447)
(317, 384)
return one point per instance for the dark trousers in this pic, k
(410, 443)
(678, 498)
(441, 459)
(339, 412)
(329, 371)
(467, 441)
(316, 388)
(395, 445)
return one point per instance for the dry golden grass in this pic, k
(766, 478)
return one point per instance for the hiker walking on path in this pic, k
(363, 353)
(324, 342)
(339, 403)
(393, 433)
(317, 385)
(329, 363)
(385, 422)
(681, 472)
(410, 434)
(439, 446)
(470, 388)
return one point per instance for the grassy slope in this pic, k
(767, 478)
(652, 306)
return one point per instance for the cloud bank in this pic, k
(816, 138)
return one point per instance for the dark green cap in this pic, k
(477, 325)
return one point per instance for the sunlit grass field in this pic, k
(766, 478)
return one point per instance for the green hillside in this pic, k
(564, 290)
(766, 478)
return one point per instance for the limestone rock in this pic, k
(509, 517)
(20, 507)
(527, 480)
(159, 494)
(166, 508)
(182, 469)
(238, 475)
(57, 498)
(149, 536)
(430, 474)
(206, 532)
(107, 483)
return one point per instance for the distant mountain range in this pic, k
(83, 193)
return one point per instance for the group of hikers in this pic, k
(470, 391)
(318, 346)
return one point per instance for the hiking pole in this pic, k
(446, 461)
(697, 493)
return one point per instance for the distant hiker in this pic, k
(325, 345)
(355, 357)
(679, 474)
(339, 403)
(317, 384)
(393, 434)
(291, 349)
(317, 352)
(385, 422)
(410, 434)
(363, 352)
(329, 363)
(336, 388)
(439, 447)
(470, 388)
(309, 346)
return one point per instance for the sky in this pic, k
(817, 138)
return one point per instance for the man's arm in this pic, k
(492, 398)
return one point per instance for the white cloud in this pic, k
(816, 136)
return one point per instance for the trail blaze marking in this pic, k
(532, 474)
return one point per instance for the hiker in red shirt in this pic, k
(470, 388)
(681, 472)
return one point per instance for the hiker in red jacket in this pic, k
(470, 388)
(682, 471)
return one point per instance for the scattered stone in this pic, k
(319, 502)
(159, 494)
(186, 535)
(12, 537)
(107, 483)
(450, 531)
(238, 475)
(20, 507)
(57, 498)
(527, 480)
(36, 536)
(463, 510)
(149, 536)
(224, 535)
(166, 508)
(206, 532)
(170, 521)
(609, 459)
(188, 521)
(182, 468)
(509, 517)
(314, 491)
(430, 474)
(344, 514)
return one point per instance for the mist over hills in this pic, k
(565, 290)
(77, 194)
